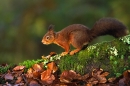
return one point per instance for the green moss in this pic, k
(30, 63)
(111, 56)
(4, 69)
(125, 39)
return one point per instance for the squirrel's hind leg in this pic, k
(78, 41)
(78, 45)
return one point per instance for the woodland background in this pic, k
(24, 22)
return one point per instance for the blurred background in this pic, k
(24, 22)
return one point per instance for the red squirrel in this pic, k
(79, 35)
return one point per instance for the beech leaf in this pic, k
(37, 67)
(47, 77)
(52, 66)
(17, 68)
(68, 75)
(34, 83)
(8, 76)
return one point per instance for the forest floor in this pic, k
(38, 75)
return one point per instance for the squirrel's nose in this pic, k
(42, 41)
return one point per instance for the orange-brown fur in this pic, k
(79, 35)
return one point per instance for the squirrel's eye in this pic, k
(47, 37)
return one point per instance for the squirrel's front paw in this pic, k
(72, 52)
(64, 53)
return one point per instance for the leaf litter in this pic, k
(37, 75)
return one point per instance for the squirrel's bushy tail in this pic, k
(109, 26)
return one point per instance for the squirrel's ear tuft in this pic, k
(51, 27)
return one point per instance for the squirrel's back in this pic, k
(109, 26)
(75, 31)
(79, 35)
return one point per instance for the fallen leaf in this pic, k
(37, 70)
(19, 84)
(17, 73)
(68, 75)
(100, 75)
(29, 73)
(37, 67)
(126, 76)
(47, 77)
(97, 71)
(52, 66)
(88, 84)
(17, 68)
(92, 81)
(111, 79)
(84, 77)
(8, 77)
(101, 79)
(34, 83)
(104, 74)
(122, 82)
(19, 79)
(8, 84)
(36, 74)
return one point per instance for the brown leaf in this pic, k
(19, 79)
(47, 77)
(52, 66)
(36, 74)
(19, 84)
(17, 73)
(84, 77)
(126, 76)
(111, 79)
(104, 74)
(101, 79)
(122, 82)
(88, 84)
(37, 67)
(100, 75)
(34, 83)
(68, 75)
(8, 77)
(8, 84)
(17, 68)
(37, 70)
(97, 71)
(29, 73)
(92, 81)
(105, 84)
